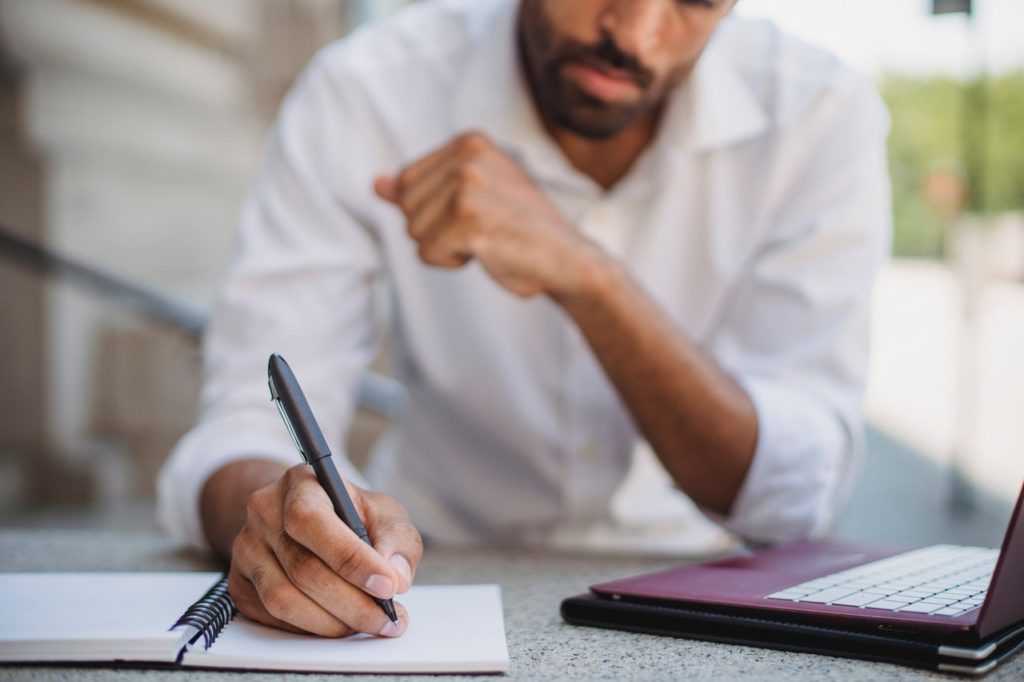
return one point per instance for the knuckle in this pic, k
(404, 178)
(416, 228)
(415, 540)
(408, 540)
(277, 600)
(473, 142)
(469, 172)
(308, 572)
(407, 532)
(254, 505)
(526, 290)
(299, 516)
(297, 475)
(241, 547)
(258, 577)
(463, 206)
(349, 560)
(405, 202)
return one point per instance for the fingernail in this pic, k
(401, 564)
(393, 629)
(380, 586)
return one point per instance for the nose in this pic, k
(633, 24)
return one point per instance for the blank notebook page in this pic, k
(95, 616)
(452, 628)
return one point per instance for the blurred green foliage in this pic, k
(929, 134)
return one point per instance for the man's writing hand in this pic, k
(297, 566)
(469, 200)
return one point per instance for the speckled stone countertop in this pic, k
(540, 644)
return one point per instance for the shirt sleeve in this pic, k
(796, 331)
(300, 284)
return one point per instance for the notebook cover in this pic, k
(87, 616)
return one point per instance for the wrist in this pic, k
(594, 277)
(224, 494)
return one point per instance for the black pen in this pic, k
(298, 417)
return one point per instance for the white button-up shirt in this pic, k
(757, 220)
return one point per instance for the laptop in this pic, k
(943, 607)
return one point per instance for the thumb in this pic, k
(386, 188)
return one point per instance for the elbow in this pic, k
(802, 519)
(796, 492)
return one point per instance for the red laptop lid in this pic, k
(1004, 604)
(744, 581)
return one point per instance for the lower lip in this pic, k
(600, 85)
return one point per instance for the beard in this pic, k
(560, 100)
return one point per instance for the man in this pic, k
(599, 220)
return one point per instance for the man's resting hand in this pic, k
(470, 200)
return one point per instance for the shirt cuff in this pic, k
(802, 466)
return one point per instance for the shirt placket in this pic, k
(586, 465)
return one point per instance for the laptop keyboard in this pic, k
(942, 580)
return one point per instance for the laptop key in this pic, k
(827, 596)
(920, 607)
(886, 604)
(879, 591)
(856, 599)
(943, 578)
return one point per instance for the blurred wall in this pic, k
(129, 132)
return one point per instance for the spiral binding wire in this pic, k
(210, 613)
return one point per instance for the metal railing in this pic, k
(376, 392)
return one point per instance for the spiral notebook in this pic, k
(188, 619)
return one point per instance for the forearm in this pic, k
(697, 418)
(223, 499)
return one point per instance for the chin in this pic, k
(578, 112)
(595, 124)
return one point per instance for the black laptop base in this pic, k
(751, 629)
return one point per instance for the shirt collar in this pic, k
(714, 108)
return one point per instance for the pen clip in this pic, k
(276, 399)
(273, 389)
